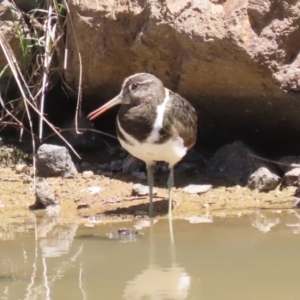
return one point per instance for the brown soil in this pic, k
(114, 201)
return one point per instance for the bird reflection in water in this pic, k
(156, 282)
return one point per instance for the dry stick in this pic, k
(14, 68)
(66, 55)
(275, 162)
(47, 60)
(79, 98)
(132, 198)
(83, 129)
(9, 113)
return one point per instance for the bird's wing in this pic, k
(180, 120)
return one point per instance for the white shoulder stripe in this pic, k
(158, 124)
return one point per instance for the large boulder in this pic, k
(235, 162)
(236, 60)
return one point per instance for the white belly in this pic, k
(171, 152)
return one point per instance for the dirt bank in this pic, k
(114, 200)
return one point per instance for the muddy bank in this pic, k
(113, 200)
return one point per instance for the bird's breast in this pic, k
(170, 151)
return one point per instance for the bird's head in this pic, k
(136, 89)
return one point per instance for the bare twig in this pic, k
(275, 162)
(132, 198)
(82, 129)
(79, 97)
(17, 75)
(47, 61)
(10, 57)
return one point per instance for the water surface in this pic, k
(247, 257)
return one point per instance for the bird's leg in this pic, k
(150, 180)
(170, 186)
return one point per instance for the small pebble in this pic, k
(44, 195)
(141, 190)
(197, 188)
(94, 189)
(53, 210)
(291, 177)
(27, 179)
(263, 180)
(87, 174)
(22, 168)
(94, 219)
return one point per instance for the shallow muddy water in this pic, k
(247, 257)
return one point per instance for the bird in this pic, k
(153, 124)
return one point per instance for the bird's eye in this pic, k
(134, 86)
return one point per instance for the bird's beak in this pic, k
(113, 102)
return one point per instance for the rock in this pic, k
(291, 178)
(21, 168)
(94, 189)
(85, 166)
(113, 166)
(263, 180)
(88, 174)
(234, 34)
(233, 162)
(141, 190)
(161, 167)
(104, 167)
(132, 164)
(27, 179)
(122, 153)
(194, 156)
(104, 173)
(193, 46)
(52, 160)
(44, 196)
(288, 160)
(197, 188)
(140, 175)
(116, 165)
(185, 167)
